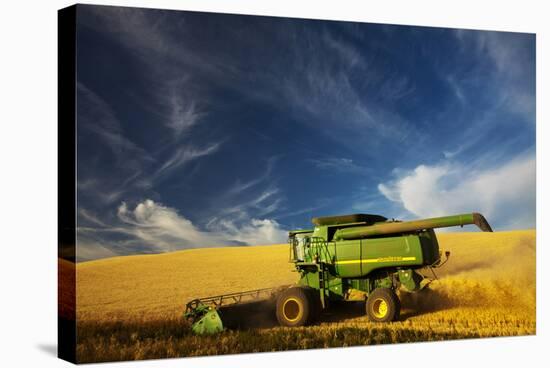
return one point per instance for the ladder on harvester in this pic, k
(320, 253)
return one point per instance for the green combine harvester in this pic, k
(356, 257)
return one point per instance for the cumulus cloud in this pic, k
(161, 228)
(504, 194)
(255, 232)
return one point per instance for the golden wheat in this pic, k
(158, 286)
(130, 307)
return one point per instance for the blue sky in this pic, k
(201, 129)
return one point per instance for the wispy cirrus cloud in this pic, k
(348, 53)
(241, 186)
(340, 164)
(97, 116)
(491, 92)
(504, 65)
(338, 95)
(184, 115)
(204, 113)
(241, 218)
(135, 167)
(240, 208)
(173, 94)
(90, 248)
(248, 200)
(457, 89)
(310, 210)
(346, 96)
(182, 156)
(90, 218)
(97, 122)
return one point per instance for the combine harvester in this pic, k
(346, 258)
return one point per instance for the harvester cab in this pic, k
(299, 243)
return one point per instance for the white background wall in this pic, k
(28, 181)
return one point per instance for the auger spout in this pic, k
(394, 227)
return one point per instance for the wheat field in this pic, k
(131, 307)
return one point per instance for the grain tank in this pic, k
(362, 257)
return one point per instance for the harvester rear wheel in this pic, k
(295, 307)
(383, 305)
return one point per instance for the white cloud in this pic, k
(513, 69)
(457, 89)
(241, 186)
(162, 228)
(178, 101)
(114, 148)
(255, 232)
(505, 194)
(347, 52)
(97, 116)
(151, 227)
(184, 114)
(263, 203)
(90, 217)
(339, 164)
(335, 101)
(87, 249)
(184, 155)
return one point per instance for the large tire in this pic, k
(383, 305)
(295, 307)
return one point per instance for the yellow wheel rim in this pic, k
(292, 309)
(379, 308)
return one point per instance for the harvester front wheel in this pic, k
(383, 305)
(294, 307)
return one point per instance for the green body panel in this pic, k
(335, 287)
(358, 258)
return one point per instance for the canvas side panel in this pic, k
(66, 325)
